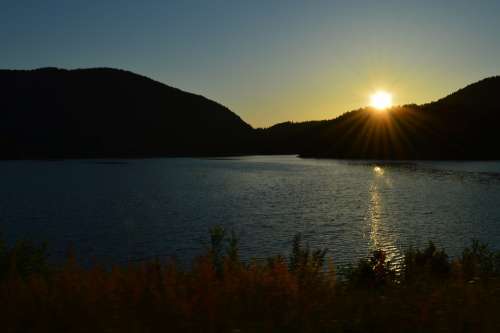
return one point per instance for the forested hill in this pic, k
(55, 113)
(463, 125)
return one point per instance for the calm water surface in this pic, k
(116, 211)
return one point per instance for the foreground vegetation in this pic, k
(220, 293)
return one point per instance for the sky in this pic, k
(268, 61)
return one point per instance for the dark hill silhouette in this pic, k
(102, 112)
(55, 113)
(482, 95)
(463, 125)
(286, 138)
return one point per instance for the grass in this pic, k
(220, 293)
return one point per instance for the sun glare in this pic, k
(381, 100)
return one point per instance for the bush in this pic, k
(373, 273)
(303, 260)
(425, 265)
(24, 258)
(221, 293)
(478, 261)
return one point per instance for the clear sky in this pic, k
(269, 61)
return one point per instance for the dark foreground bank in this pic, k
(220, 293)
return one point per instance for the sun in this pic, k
(381, 100)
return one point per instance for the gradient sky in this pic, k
(269, 61)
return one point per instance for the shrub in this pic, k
(478, 261)
(24, 258)
(425, 265)
(373, 273)
(220, 293)
(303, 259)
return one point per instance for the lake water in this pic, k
(115, 211)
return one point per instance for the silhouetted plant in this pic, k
(3, 258)
(216, 251)
(29, 258)
(233, 248)
(273, 261)
(479, 261)
(302, 257)
(297, 253)
(276, 295)
(223, 249)
(375, 272)
(421, 265)
(25, 258)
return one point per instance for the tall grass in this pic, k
(220, 293)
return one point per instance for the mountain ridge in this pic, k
(106, 112)
(461, 125)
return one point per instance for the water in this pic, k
(118, 211)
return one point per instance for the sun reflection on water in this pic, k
(378, 170)
(381, 236)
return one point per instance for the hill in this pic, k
(102, 112)
(463, 125)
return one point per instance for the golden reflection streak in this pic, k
(378, 170)
(378, 237)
